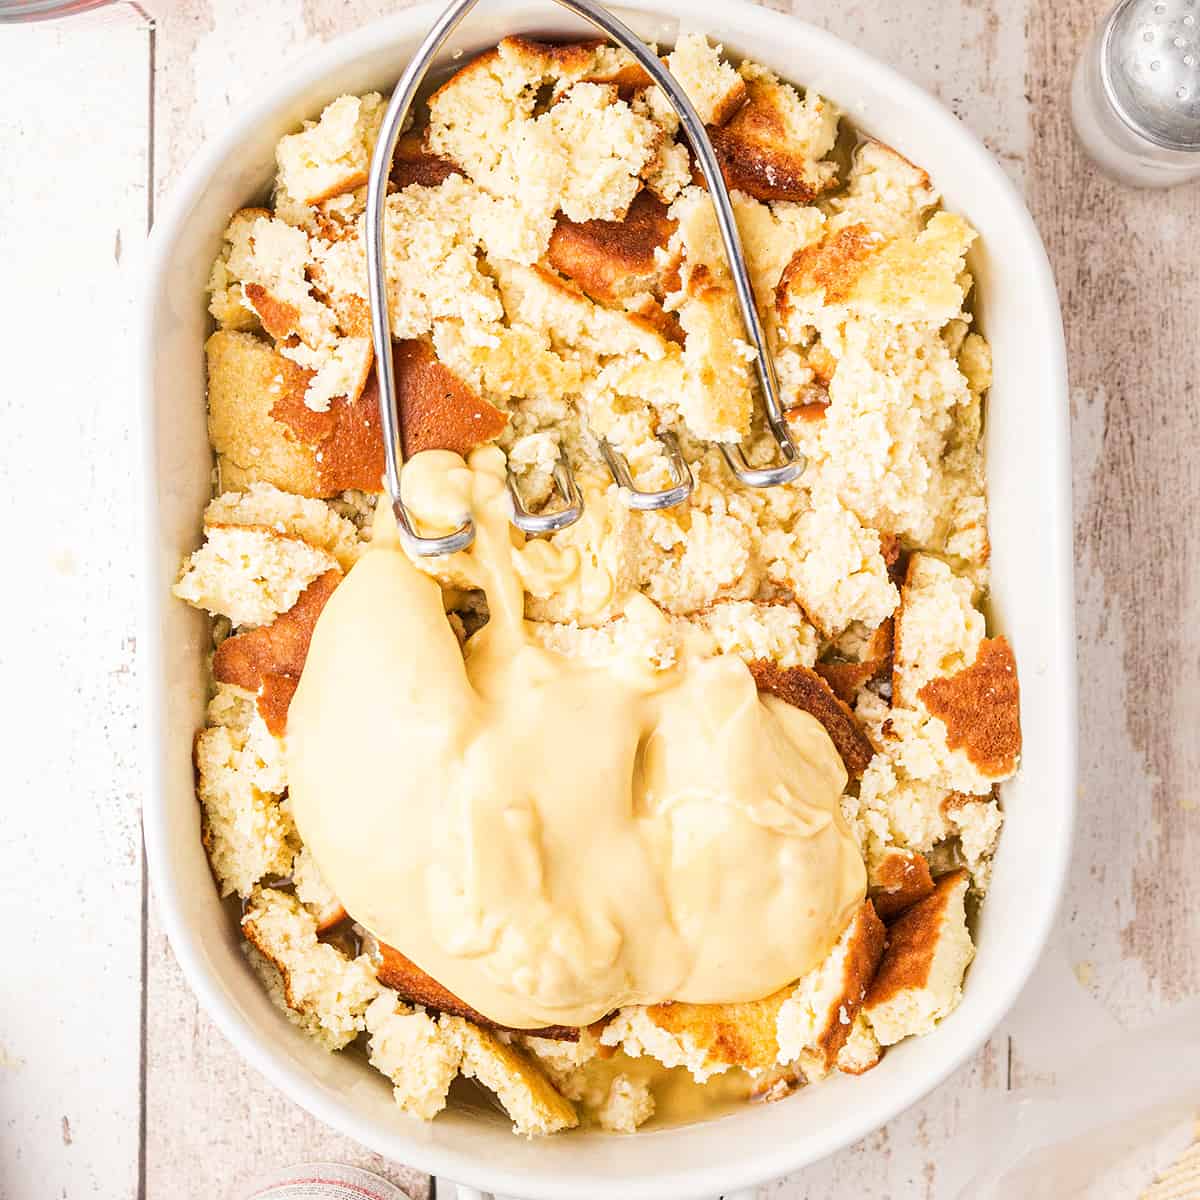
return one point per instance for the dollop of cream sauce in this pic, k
(550, 839)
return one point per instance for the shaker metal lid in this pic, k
(1150, 66)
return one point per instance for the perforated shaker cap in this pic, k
(1150, 65)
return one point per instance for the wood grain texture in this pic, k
(70, 848)
(74, 1115)
(1126, 263)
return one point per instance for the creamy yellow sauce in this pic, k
(549, 839)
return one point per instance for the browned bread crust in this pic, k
(752, 146)
(981, 708)
(438, 411)
(900, 880)
(846, 678)
(611, 260)
(412, 163)
(862, 961)
(404, 977)
(268, 660)
(806, 689)
(833, 264)
(912, 943)
(741, 1034)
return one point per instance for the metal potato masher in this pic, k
(790, 461)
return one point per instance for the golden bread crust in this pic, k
(912, 943)
(438, 411)
(898, 881)
(403, 976)
(805, 689)
(268, 660)
(981, 708)
(611, 260)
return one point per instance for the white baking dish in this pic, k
(1029, 483)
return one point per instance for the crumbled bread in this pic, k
(473, 114)
(340, 369)
(269, 259)
(861, 1051)
(772, 235)
(706, 1039)
(272, 983)
(414, 1052)
(562, 1059)
(431, 266)
(439, 411)
(896, 880)
(956, 716)
(629, 1104)
(814, 1022)
(856, 271)
(777, 633)
(920, 978)
(897, 809)
(262, 429)
(248, 831)
(250, 573)
(333, 991)
(584, 155)
(702, 553)
(515, 364)
(977, 822)
(894, 398)
(884, 191)
(314, 893)
(312, 520)
(227, 301)
(717, 401)
(861, 656)
(979, 710)
(777, 1084)
(751, 630)
(835, 568)
(605, 145)
(714, 87)
(775, 145)
(624, 643)
(528, 1097)
(331, 155)
(538, 298)
(614, 1099)
(938, 628)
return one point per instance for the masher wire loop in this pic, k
(681, 477)
(792, 463)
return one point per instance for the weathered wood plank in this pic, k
(72, 204)
(214, 1121)
(1127, 264)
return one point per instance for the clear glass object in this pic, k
(1135, 96)
(12, 11)
(320, 1181)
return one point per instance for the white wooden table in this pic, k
(112, 1082)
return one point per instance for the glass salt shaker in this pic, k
(1135, 98)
